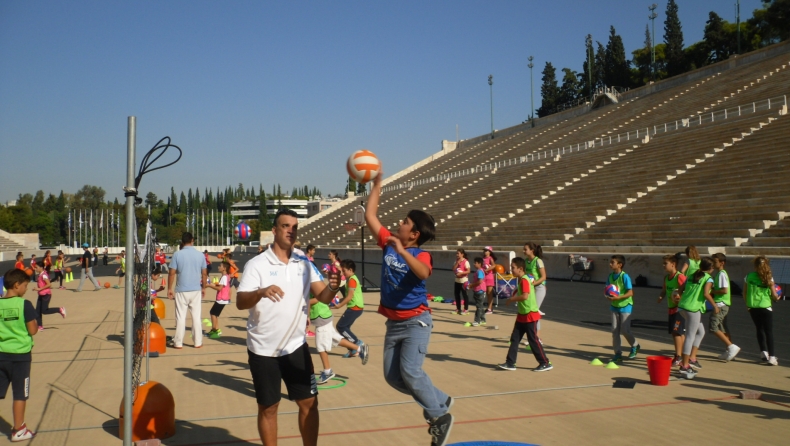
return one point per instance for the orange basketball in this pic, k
(106, 284)
(363, 166)
(28, 271)
(221, 256)
(499, 269)
(67, 269)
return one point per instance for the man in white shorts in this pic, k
(275, 286)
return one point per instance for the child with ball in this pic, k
(223, 298)
(404, 302)
(676, 324)
(621, 303)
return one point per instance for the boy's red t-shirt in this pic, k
(19, 265)
(402, 315)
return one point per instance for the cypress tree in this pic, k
(549, 90)
(616, 68)
(673, 37)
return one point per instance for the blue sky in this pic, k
(278, 92)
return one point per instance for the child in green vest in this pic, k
(327, 337)
(759, 291)
(121, 271)
(691, 302)
(692, 265)
(526, 321)
(676, 324)
(621, 306)
(17, 326)
(356, 304)
(721, 295)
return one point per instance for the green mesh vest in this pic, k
(14, 337)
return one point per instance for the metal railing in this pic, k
(635, 135)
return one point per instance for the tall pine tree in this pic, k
(673, 37)
(617, 72)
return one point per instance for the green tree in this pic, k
(182, 204)
(151, 200)
(570, 89)
(616, 71)
(717, 39)
(549, 90)
(673, 37)
(351, 185)
(641, 61)
(89, 197)
(362, 189)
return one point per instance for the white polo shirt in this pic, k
(278, 328)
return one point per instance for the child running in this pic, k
(526, 321)
(44, 289)
(489, 264)
(327, 337)
(621, 306)
(675, 324)
(722, 296)
(759, 290)
(404, 302)
(355, 302)
(16, 342)
(461, 270)
(691, 302)
(223, 299)
(478, 286)
(58, 270)
(233, 270)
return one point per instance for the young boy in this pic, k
(404, 302)
(355, 302)
(327, 337)
(526, 321)
(17, 326)
(121, 271)
(20, 264)
(223, 298)
(621, 306)
(676, 324)
(721, 295)
(233, 271)
(477, 282)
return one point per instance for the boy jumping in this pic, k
(404, 302)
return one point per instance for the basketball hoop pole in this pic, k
(128, 336)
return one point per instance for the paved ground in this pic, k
(77, 381)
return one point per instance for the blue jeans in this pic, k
(346, 321)
(405, 347)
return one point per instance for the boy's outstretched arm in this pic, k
(372, 209)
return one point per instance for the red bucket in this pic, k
(659, 368)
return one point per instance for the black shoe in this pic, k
(449, 403)
(543, 368)
(440, 428)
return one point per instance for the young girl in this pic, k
(44, 288)
(692, 266)
(489, 264)
(536, 269)
(223, 298)
(59, 270)
(461, 270)
(759, 290)
(691, 297)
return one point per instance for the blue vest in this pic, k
(401, 289)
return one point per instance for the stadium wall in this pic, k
(732, 62)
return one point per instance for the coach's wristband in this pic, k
(333, 290)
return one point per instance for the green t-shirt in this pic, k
(693, 298)
(530, 305)
(726, 298)
(356, 300)
(14, 338)
(671, 285)
(619, 280)
(533, 268)
(758, 295)
(693, 268)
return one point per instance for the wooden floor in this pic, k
(76, 387)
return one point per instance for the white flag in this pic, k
(101, 222)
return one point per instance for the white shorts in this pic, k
(326, 337)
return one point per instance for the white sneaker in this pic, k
(773, 361)
(22, 434)
(764, 356)
(732, 352)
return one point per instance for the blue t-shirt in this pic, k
(188, 262)
(627, 285)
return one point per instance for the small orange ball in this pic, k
(28, 271)
(499, 269)
(106, 284)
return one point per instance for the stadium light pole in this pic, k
(652, 18)
(531, 93)
(491, 88)
(588, 40)
(738, 22)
